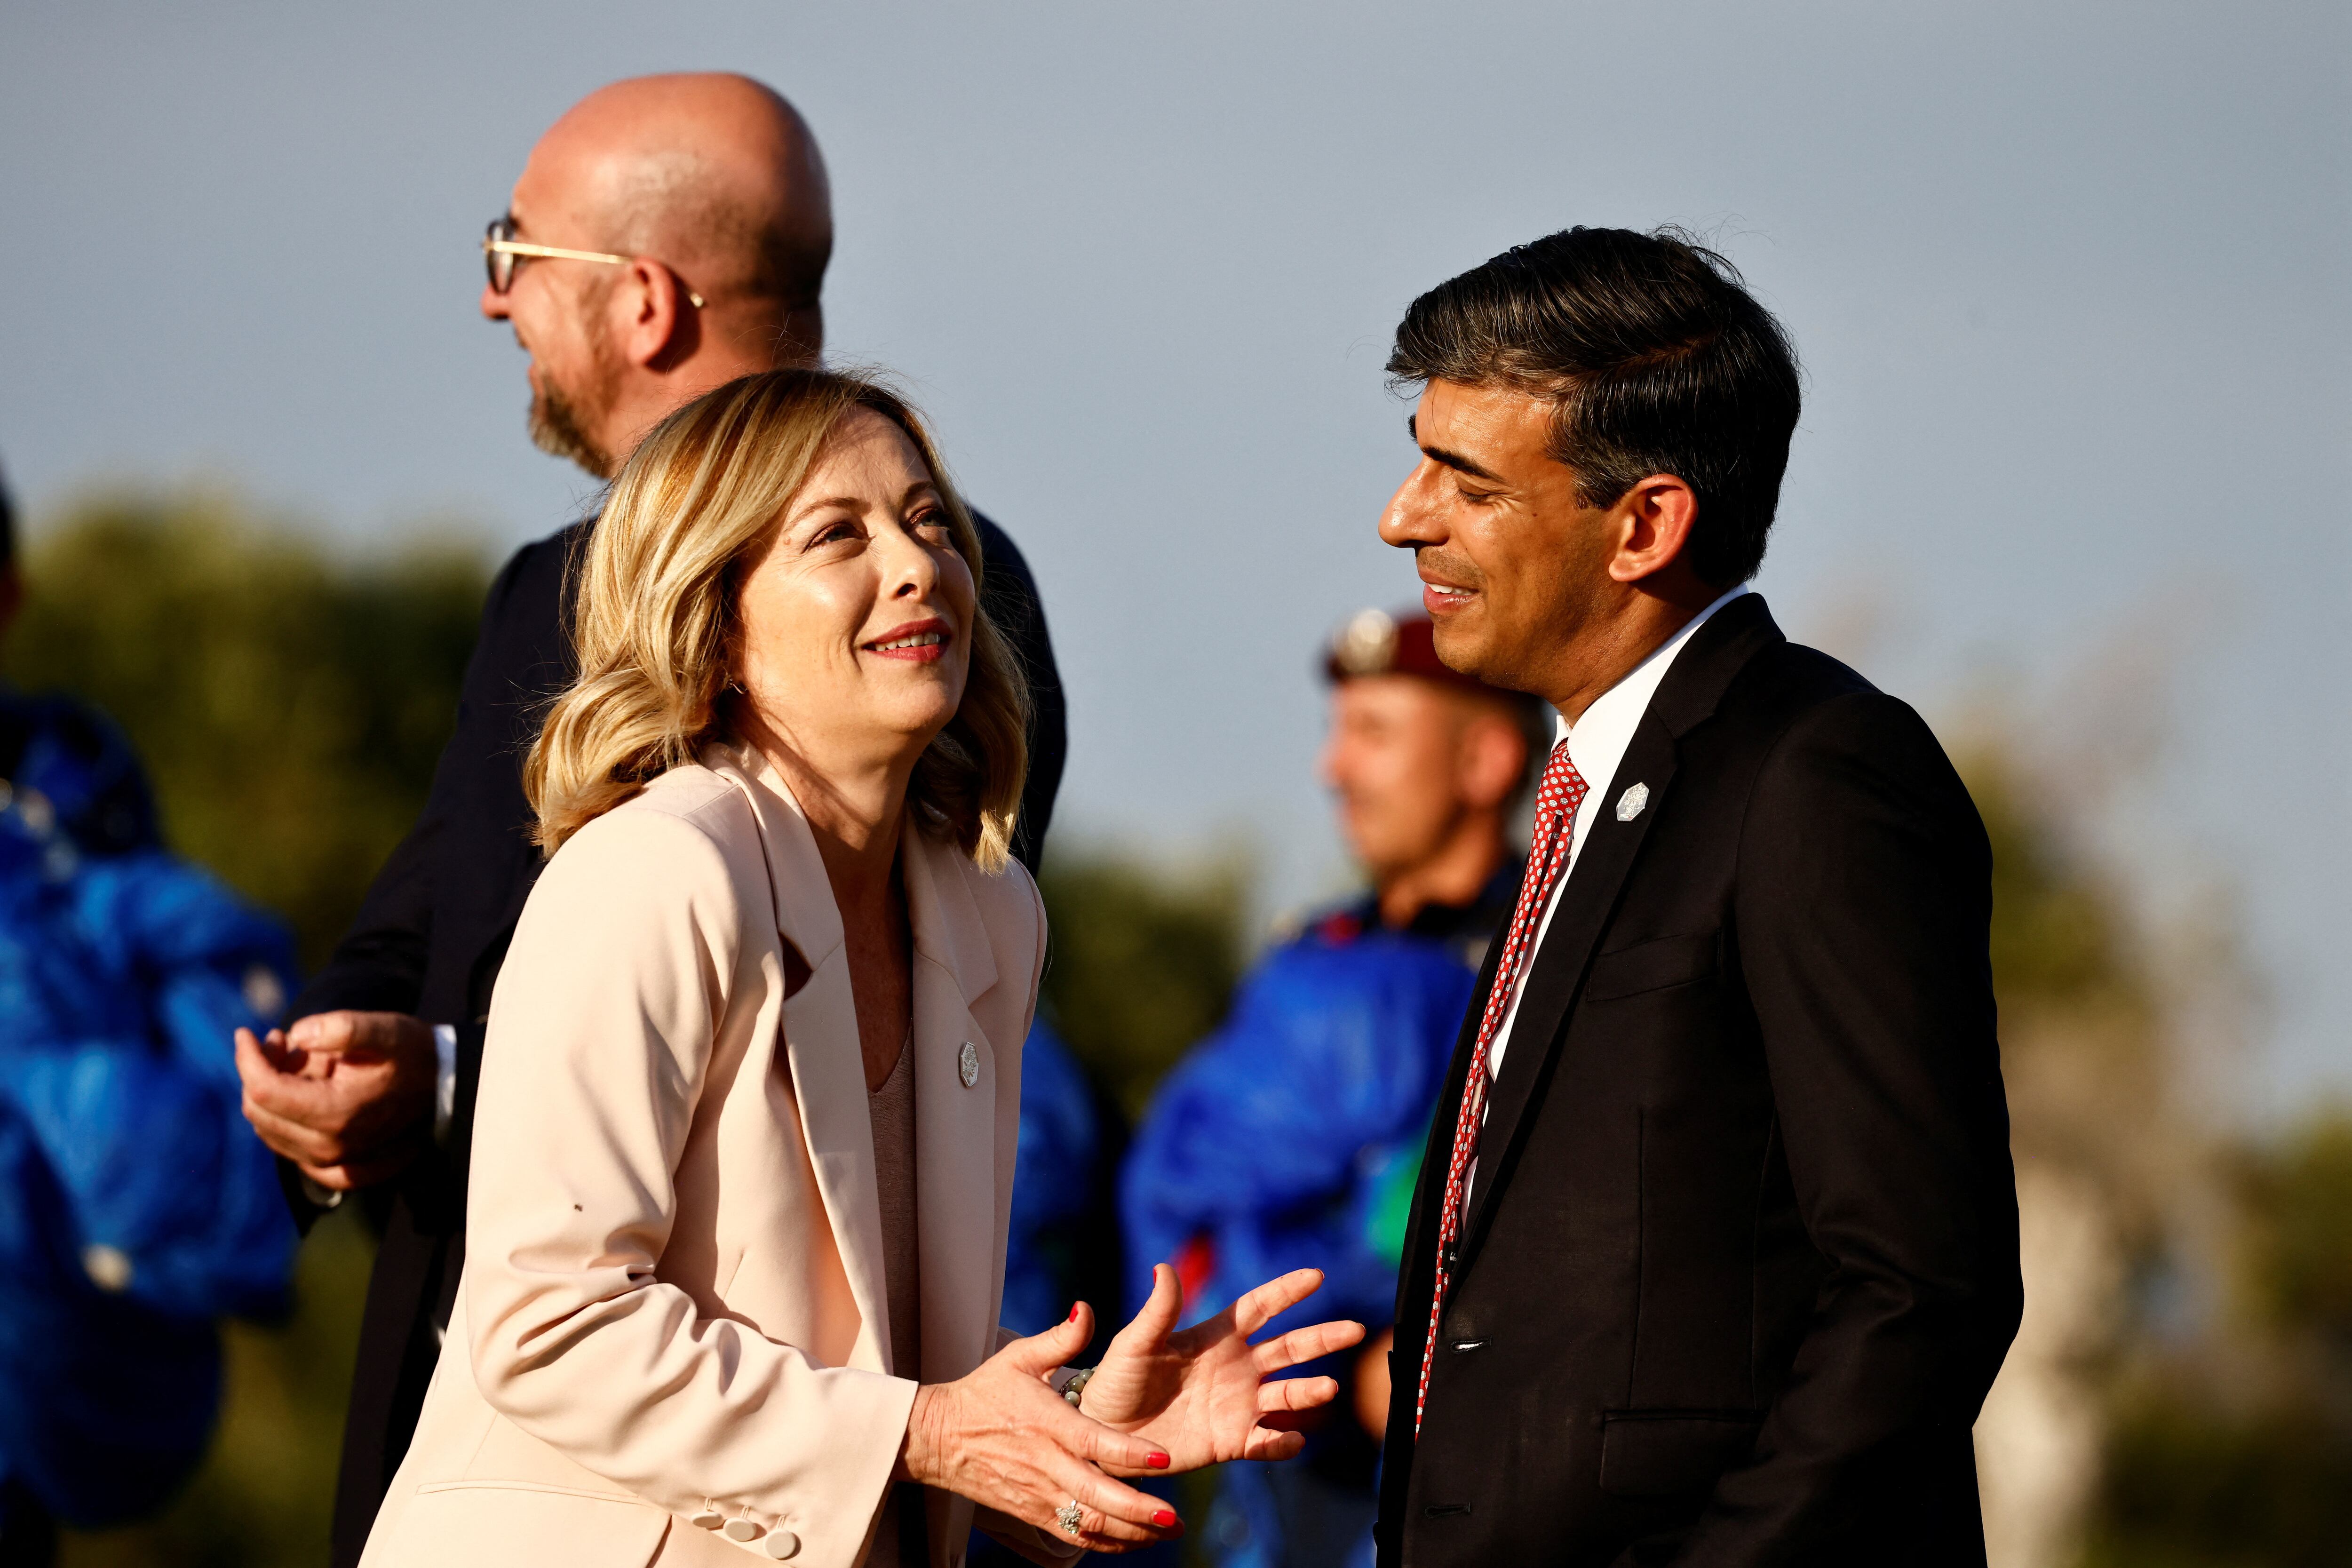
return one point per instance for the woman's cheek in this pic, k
(833, 612)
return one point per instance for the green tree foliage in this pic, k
(290, 706)
(2243, 1455)
(2299, 1255)
(2229, 1439)
(1141, 964)
(2055, 940)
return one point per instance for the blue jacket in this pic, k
(1290, 1137)
(1061, 1210)
(136, 1206)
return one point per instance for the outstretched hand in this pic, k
(1202, 1395)
(1004, 1438)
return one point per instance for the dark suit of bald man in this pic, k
(430, 937)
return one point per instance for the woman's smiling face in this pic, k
(855, 613)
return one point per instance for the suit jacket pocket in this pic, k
(1658, 1453)
(1651, 966)
(460, 1524)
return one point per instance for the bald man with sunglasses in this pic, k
(668, 235)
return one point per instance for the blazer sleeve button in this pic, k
(710, 1517)
(782, 1544)
(742, 1530)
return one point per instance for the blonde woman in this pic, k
(732, 1264)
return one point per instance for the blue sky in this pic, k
(2069, 283)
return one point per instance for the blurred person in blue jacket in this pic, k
(1291, 1137)
(1061, 1246)
(1063, 1242)
(135, 1207)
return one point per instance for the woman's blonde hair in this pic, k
(655, 622)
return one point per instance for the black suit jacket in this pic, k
(1740, 1260)
(430, 937)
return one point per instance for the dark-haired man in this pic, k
(668, 235)
(1715, 1250)
(1289, 1138)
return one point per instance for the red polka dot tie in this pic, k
(1557, 798)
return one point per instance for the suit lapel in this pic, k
(821, 1051)
(956, 1174)
(1702, 672)
(1557, 970)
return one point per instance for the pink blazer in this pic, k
(672, 1306)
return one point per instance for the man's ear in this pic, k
(1653, 520)
(657, 325)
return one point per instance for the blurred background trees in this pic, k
(2180, 1392)
(290, 705)
(1142, 961)
(2180, 1395)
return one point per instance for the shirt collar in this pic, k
(1597, 742)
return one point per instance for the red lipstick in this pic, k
(917, 642)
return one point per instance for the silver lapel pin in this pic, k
(1630, 804)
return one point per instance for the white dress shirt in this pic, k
(1596, 744)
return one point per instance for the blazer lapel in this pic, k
(1558, 967)
(821, 1050)
(1702, 672)
(957, 1178)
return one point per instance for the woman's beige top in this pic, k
(892, 1109)
(675, 1304)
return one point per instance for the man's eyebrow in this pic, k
(1451, 459)
(1461, 464)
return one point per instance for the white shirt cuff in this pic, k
(445, 1080)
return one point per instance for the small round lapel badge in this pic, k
(1630, 804)
(968, 1064)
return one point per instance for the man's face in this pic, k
(1395, 758)
(558, 311)
(1512, 565)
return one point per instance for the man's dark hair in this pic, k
(1656, 359)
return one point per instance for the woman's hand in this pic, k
(1003, 1437)
(1202, 1395)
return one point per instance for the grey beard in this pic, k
(556, 430)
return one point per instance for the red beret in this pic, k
(1375, 642)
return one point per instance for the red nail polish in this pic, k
(1157, 1461)
(1163, 1518)
(1073, 1312)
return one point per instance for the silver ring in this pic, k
(1066, 1516)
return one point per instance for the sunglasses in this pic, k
(504, 255)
